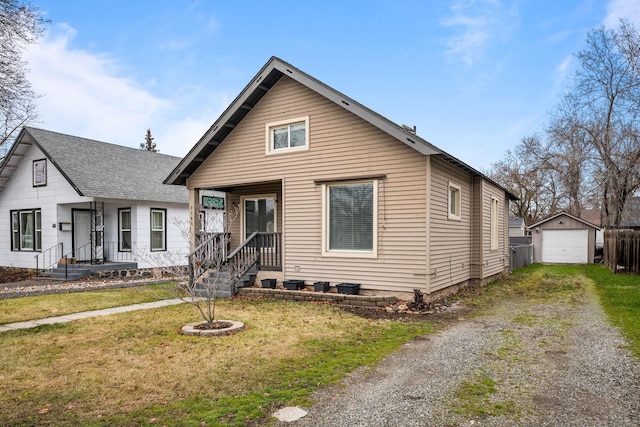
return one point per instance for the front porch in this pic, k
(69, 271)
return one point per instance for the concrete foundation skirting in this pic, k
(328, 297)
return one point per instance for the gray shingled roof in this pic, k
(103, 170)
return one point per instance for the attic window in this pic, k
(40, 173)
(286, 136)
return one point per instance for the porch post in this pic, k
(194, 216)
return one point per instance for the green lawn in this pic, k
(41, 306)
(136, 369)
(620, 298)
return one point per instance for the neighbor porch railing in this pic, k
(48, 258)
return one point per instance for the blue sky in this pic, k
(474, 76)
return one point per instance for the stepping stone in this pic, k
(290, 413)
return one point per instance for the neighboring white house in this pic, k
(62, 195)
(517, 227)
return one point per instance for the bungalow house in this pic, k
(93, 202)
(344, 194)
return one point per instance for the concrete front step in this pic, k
(61, 274)
(224, 288)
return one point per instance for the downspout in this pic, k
(427, 261)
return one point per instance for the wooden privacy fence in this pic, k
(622, 251)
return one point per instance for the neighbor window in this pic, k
(26, 230)
(350, 219)
(290, 135)
(39, 172)
(495, 205)
(454, 202)
(158, 229)
(124, 230)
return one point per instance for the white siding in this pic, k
(19, 193)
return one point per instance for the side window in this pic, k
(455, 201)
(495, 222)
(124, 230)
(158, 229)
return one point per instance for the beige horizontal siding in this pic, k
(495, 260)
(450, 240)
(341, 145)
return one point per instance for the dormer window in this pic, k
(287, 136)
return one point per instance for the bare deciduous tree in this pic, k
(603, 106)
(524, 171)
(20, 25)
(203, 273)
(589, 155)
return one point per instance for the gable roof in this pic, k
(99, 169)
(563, 214)
(266, 78)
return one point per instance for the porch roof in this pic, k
(99, 169)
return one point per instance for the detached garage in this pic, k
(563, 239)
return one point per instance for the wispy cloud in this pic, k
(86, 94)
(477, 23)
(627, 9)
(561, 71)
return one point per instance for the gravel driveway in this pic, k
(520, 363)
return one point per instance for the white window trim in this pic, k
(325, 223)
(37, 231)
(494, 222)
(243, 213)
(164, 230)
(454, 216)
(121, 229)
(269, 150)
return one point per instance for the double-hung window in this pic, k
(455, 201)
(287, 136)
(124, 230)
(350, 219)
(158, 229)
(495, 205)
(26, 230)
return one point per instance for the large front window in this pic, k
(26, 230)
(158, 229)
(350, 223)
(124, 230)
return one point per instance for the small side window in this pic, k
(455, 202)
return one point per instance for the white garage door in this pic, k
(565, 246)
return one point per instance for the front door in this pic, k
(258, 214)
(82, 235)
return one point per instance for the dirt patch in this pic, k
(10, 274)
(402, 311)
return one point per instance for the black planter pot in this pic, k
(348, 288)
(269, 283)
(321, 286)
(293, 285)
